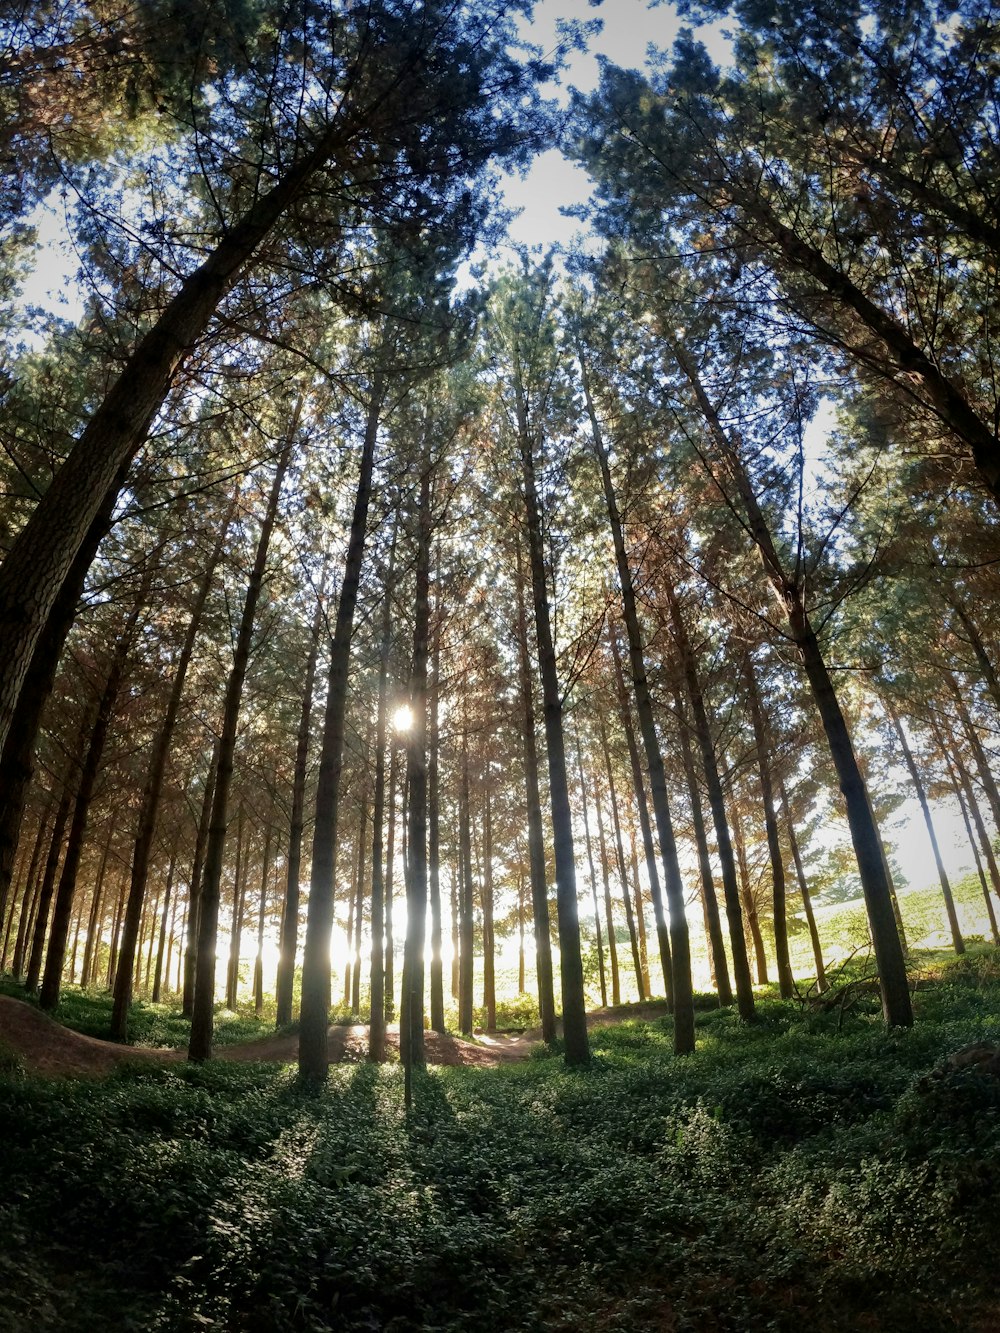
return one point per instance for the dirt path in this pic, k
(46, 1047)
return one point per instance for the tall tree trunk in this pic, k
(314, 1017)
(41, 921)
(434, 820)
(489, 958)
(390, 872)
(31, 886)
(990, 910)
(17, 760)
(577, 1045)
(116, 925)
(239, 901)
(533, 814)
(680, 944)
(411, 1016)
(976, 746)
(640, 912)
(717, 805)
(162, 973)
(521, 980)
(710, 901)
(359, 910)
(258, 965)
(918, 786)
(153, 788)
(803, 883)
(200, 1045)
(466, 919)
(616, 828)
(659, 916)
(616, 989)
(876, 885)
(288, 941)
(377, 1009)
(985, 845)
(194, 886)
(979, 648)
(593, 876)
(762, 744)
(51, 981)
(750, 913)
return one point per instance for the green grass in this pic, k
(788, 1175)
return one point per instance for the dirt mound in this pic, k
(46, 1047)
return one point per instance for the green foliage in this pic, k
(786, 1175)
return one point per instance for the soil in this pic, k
(46, 1047)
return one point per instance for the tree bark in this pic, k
(288, 941)
(602, 846)
(803, 884)
(315, 1012)
(466, 920)
(593, 876)
(762, 744)
(616, 828)
(41, 920)
(194, 886)
(200, 1045)
(656, 894)
(411, 1017)
(577, 1045)
(911, 767)
(161, 948)
(153, 789)
(533, 812)
(680, 944)
(258, 966)
(896, 1007)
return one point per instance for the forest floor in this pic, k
(809, 1170)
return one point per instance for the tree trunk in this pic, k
(390, 871)
(640, 912)
(411, 1017)
(434, 824)
(288, 941)
(925, 810)
(377, 1007)
(200, 1045)
(762, 743)
(984, 840)
(258, 966)
(194, 886)
(717, 804)
(48, 884)
(161, 945)
(359, 908)
(239, 901)
(750, 913)
(662, 928)
(803, 883)
(616, 828)
(616, 989)
(31, 884)
(593, 876)
(577, 1045)
(533, 814)
(976, 746)
(489, 959)
(314, 1017)
(17, 762)
(896, 1007)
(466, 921)
(710, 901)
(153, 788)
(680, 944)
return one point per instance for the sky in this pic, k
(552, 183)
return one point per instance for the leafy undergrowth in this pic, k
(807, 1171)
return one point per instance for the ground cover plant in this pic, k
(811, 1169)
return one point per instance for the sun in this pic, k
(402, 718)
